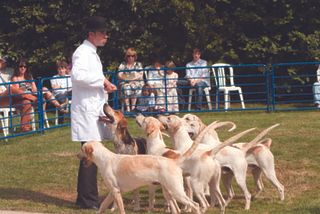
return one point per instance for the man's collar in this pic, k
(89, 44)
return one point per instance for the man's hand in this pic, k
(108, 86)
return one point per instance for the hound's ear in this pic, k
(123, 123)
(139, 119)
(104, 119)
(88, 150)
(162, 128)
(150, 128)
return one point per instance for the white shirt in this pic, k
(200, 73)
(6, 75)
(63, 81)
(87, 95)
(155, 77)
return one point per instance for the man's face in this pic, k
(196, 56)
(99, 38)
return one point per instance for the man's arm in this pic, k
(108, 86)
(81, 73)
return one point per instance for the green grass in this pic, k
(39, 172)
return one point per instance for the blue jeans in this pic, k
(199, 86)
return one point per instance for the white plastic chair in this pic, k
(4, 118)
(221, 76)
(206, 92)
(56, 121)
(45, 119)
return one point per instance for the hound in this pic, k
(123, 142)
(122, 173)
(261, 160)
(259, 157)
(232, 160)
(201, 167)
(182, 141)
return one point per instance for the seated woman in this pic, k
(12, 97)
(130, 81)
(23, 74)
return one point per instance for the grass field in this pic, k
(38, 173)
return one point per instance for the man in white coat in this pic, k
(89, 86)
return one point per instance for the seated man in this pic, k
(62, 86)
(13, 97)
(316, 90)
(198, 78)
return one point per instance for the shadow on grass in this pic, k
(311, 210)
(37, 197)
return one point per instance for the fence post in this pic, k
(268, 76)
(40, 104)
(273, 88)
(116, 93)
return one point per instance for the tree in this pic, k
(243, 31)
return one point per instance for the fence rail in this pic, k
(277, 87)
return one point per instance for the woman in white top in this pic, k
(130, 79)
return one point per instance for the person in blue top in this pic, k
(196, 77)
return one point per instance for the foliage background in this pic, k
(235, 31)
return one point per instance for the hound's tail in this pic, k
(267, 142)
(225, 123)
(229, 141)
(257, 140)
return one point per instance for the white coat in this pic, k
(88, 95)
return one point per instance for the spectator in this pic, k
(146, 102)
(131, 81)
(88, 88)
(29, 86)
(62, 86)
(198, 78)
(6, 72)
(155, 78)
(316, 90)
(14, 97)
(170, 87)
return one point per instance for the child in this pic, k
(146, 102)
(171, 87)
(155, 78)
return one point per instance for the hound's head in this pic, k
(149, 124)
(86, 153)
(172, 123)
(114, 118)
(193, 124)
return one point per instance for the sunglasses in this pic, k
(22, 66)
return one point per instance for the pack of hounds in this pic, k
(192, 169)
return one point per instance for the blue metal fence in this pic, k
(283, 86)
